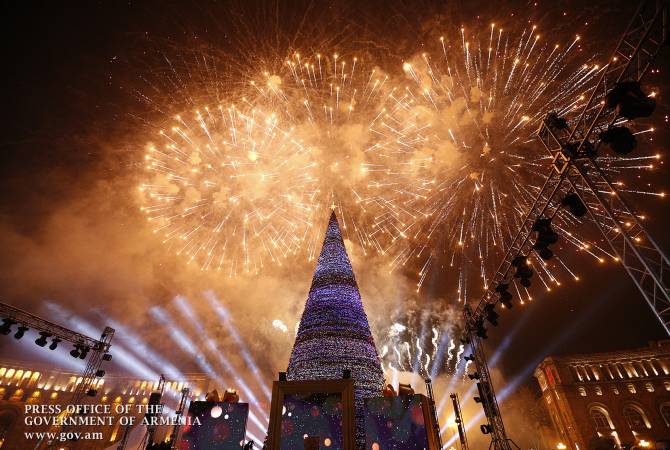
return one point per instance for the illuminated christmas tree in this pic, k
(334, 333)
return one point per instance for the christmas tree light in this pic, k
(334, 333)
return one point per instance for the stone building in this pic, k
(26, 383)
(623, 396)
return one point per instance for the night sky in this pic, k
(70, 229)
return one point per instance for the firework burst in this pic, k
(486, 94)
(434, 163)
(230, 189)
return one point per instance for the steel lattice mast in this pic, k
(460, 423)
(575, 170)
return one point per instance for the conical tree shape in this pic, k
(334, 333)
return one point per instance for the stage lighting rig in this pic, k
(458, 419)
(575, 181)
(96, 350)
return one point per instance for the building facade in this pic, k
(24, 383)
(623, 396)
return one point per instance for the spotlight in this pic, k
(522, 270)
(100, 373)
(545, 237)
(42, 340)
(507, 303)
(106, 357)
(630, 101)
(556, 122)
(282, 376)
(75, 353)
(474, 376)
(491, 314)
(92, 392)
(84, 352)
(480, 330)
(20, 332)
(587, 149)
(486, 429)
(574, 204)
(469, 357)
(620, 140)
(6, 326)
(54, 344)
(545, 233)
(505, 296)
(545, 252)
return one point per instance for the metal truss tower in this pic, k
(575, 170)
(460, 424)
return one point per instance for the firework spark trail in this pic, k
(438, 364)
(452, 346)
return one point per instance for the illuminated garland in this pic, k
(334, 333)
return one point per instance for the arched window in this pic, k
(665, 413)
(601, 419)
(635, 418)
